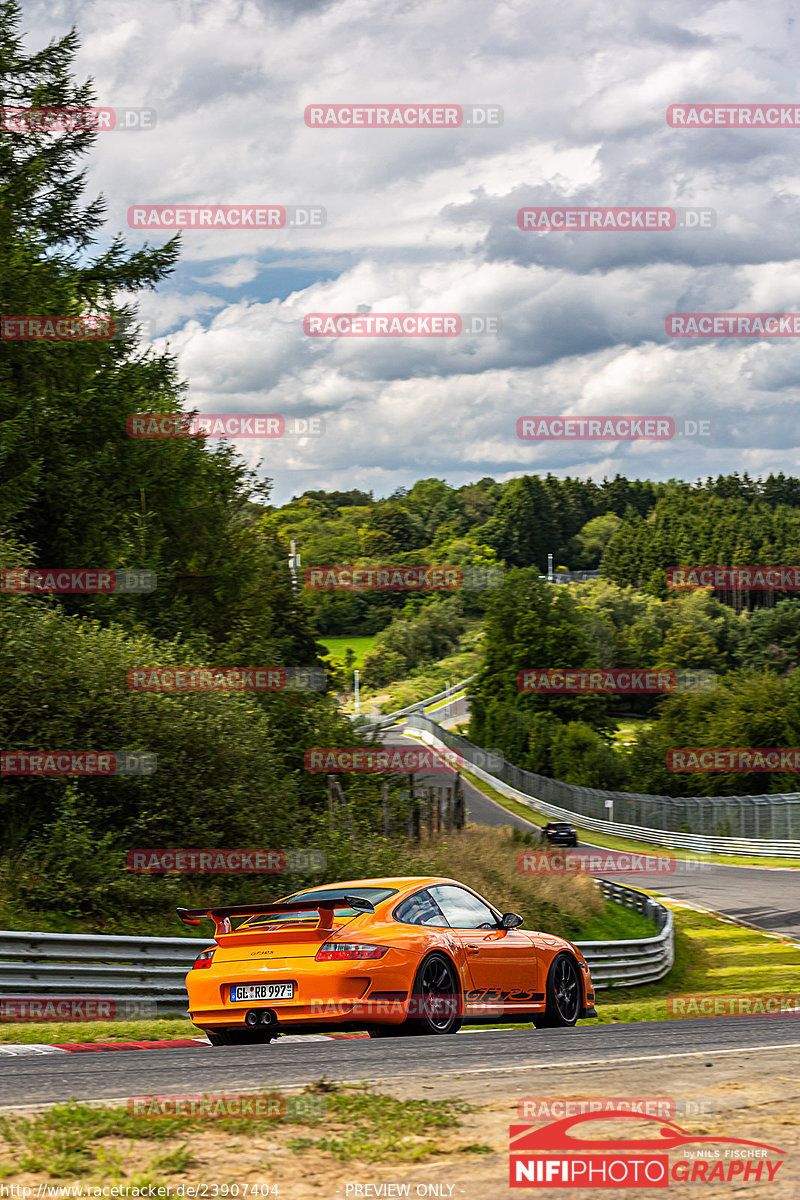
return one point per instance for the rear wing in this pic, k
(222, 916)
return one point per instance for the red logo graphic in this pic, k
(628, 1162)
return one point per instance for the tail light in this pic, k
(203, 960)
(335, 951)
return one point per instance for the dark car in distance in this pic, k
(559, 833)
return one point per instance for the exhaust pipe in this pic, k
(262, 1016)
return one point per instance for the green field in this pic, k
(360, 646)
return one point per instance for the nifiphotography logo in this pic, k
(553, 1156)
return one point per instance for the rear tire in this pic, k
(437, 993)
(563, 993)
(239, 1037)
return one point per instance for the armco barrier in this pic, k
(624, 963)
(381, 720)
(685, 822)
(133, 971)
(148, 973)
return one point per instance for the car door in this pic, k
(502, 963)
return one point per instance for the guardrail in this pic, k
(378, 720)
(145, 976)
(626, 963)
(585, 805)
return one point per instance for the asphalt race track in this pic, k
(35, 1079)
(768, 897)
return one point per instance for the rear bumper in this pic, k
(332, 993)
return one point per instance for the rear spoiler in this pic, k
(221, 916)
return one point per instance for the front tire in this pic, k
(563, 993)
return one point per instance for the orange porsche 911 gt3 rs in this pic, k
(399, 956)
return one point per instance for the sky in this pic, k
(425, 221)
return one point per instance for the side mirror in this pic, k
(510, 920)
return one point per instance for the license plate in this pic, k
(262, 991)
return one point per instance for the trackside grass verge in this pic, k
(713, 956)
(109, 1144)
(147, 1029)
(611, 842)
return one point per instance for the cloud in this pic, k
(425, 221)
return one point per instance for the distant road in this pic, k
(767, 897)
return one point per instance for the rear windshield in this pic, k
(375, 894)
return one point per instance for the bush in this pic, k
(431, 633)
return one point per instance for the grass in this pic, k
(712, 957)
(78, 1140)
(379, 1128)
(336, 646)
(616, 923)
(148, 1029)
(487, 860)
